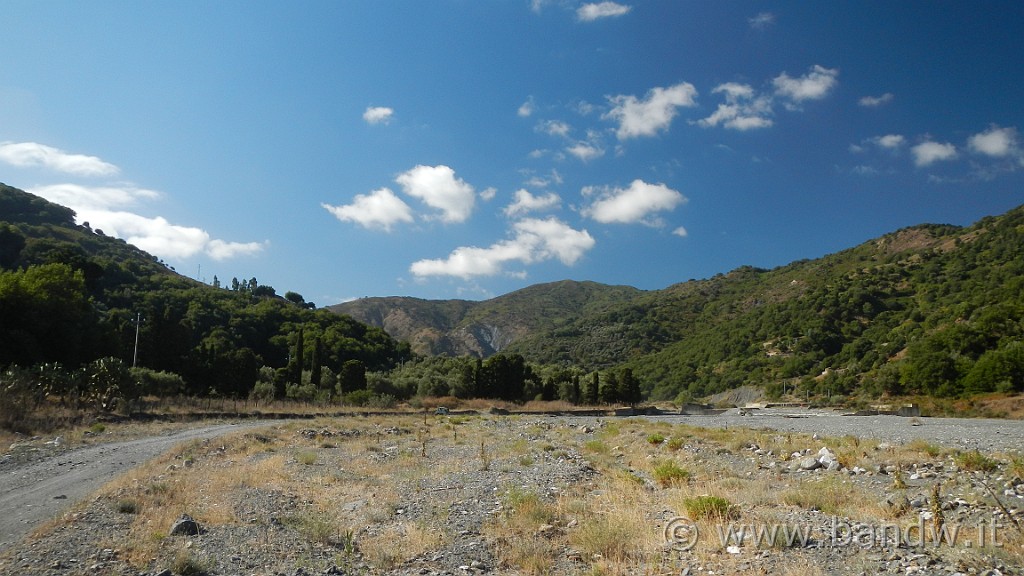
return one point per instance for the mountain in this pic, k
(482, 329)
(932, 309)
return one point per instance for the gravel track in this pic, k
(38, 491)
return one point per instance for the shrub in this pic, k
(975, 461)
(714, 507)
(655, 439)
(667, 473)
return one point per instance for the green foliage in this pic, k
(711, 507)
(975, 461)
(668, 473)
(70, 295)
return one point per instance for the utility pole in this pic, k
(135, 355)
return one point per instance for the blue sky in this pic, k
(466, 149)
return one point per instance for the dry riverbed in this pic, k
(460, 495)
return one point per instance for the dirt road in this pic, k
(41, 490)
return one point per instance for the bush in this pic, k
(975, 461)
(714, 507)
(667, 473)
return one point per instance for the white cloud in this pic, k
(890, 141)
(927, 153)
(378, 209)
(526, 202)
(654, 113)
(378, 114)
(743, 108)
(681, 232)
(876, 101)
(221, 250)
(102, 208)
(762, 20)
(554, 128)
(32, 154)
(814, 85)
(598, 10)
(160, 237)
(631, 205)
(585, 151)
(488, 193)
(438, 188)
(534, 241)
(526, 108)
(94, 197)
(996, 142)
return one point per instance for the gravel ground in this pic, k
(41, 479)
(984, 434)
(358, 496)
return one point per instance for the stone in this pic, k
(809, 463)
(184, 526)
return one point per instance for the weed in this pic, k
(98, 428)
(667, 473)
(185, 564)
(928, 448)
(655, 439)
(975, 461)
(306, 457)
(709, 507)
(674, 444)
(126, 506)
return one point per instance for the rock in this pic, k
(184, 526)
(809, 463)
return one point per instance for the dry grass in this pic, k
(350, 486)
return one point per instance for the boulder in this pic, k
(184, 526)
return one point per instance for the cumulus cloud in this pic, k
(996, 142)
(378, 115)
(526, 108)
(533, 240)
(32, 155)
(598, 10)
(761, 21)
(585, 150)
(927, 153)
(635, 204)
(875, 101)
(743, 109)
(95, 197)
(681, 232)
(103, 209)
(526, 202)
(378, 209)
(554, 128)
(654, 113)
(438, 187)
(889, 141)
(814, 85)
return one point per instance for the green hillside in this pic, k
(70, 298)
(930, 309)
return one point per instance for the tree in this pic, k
(315, 368)
(629, 388)
(591, 392)
(609, 393)
(352, 377)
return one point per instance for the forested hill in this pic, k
(932, 309)
(70, 296)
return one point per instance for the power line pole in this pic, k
(138, 322)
